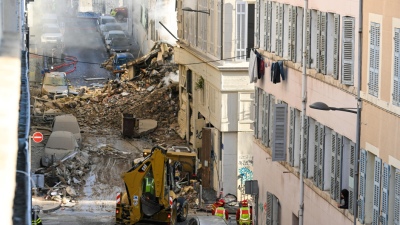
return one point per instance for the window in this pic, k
(396, 68)
(273, 209)
(280, 124)
(291, 32)
(377, 191)
(257, 25)
(279, 28)
(308, 38)
(299, 36)
(336, 165)
(319, 146)
(348, 51)
(332, 49)
(374, 46)
(396, 206)
(202, 20)
(321, 40)
(267, 25)
(219, 26)
(265, 114)
(241, 30)
(294, 142)
(212, 28)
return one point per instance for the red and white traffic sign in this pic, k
(37, 137)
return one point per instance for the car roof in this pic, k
(66, 122)
(61, 140)
(107, 17)
(55, 74)
(116, 32)
(205, 220)
(124, 54)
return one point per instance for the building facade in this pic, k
(329, 136)
(215, 96)
(380, 91)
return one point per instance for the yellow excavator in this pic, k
(150, 195)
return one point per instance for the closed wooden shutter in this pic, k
(271, 117)
(338, 169)
(268, 26)
(241, 30)
(316, 151)
(336, 41)
(385, 194)
(363, 181)
(292, 118)
(212, 28)
(290, 34)
(374, 46)
(396, 68)
(351, 176)
(348, 51)
(377, 191)
(257, 24)
(219, 35)
(256, 112)
(317, 58)
(269, 209)
(308, 38)
(305, 146)
(321, 156)
(294, 34)
(280, 123)
(396, 213)
(322, 44)
(265, 119)
(333, 164)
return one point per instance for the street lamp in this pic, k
(188, 9)
(323, 106)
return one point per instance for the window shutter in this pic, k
(348, 51)
(277, 23)
(322, 46)
(396, 214)
(212, 28)
(338, 169)
(363, 180)
(317, 58)
(333, 164)
(321, 156)
(265, 119)
(291, 136)
(396, 68)
(294, 33)
(256, 112)
(219, 47)
(351, 178)
(373, 85)
(305, 146)
(385, 194)
(377, 191)
(280, 29)
(289, 40)
(271, 116)
(308, 38)
(336, 38)
(266, 27)
(269, 209)
(269, 27)
(279, 145)
(316, 152)
(257, 24)
(241, 30)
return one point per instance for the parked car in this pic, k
(105, 28)
(119, 60)
(206, 220)
(119, 45)
(113, 34)
(104, 20)
(51, 35)
(55, 84)
(49, 18)
(69, 123)
(59, 145)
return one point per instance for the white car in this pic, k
(69, 123)
(51, 34)
(113, 34)
(55, 85)
(59, 146)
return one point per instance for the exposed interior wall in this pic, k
(229, 163)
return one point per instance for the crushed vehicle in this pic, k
(150, 195)
(68, 123)
(59, 145)
(119, 60)
(55, 85)
(118, 45)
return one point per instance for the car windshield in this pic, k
(109, 27)
(55, 81)
(104, 21)
(120, 42)
(112, 36)
(48, 29)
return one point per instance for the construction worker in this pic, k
(35, 217)
(244, 214)
(220, 210)
(113, 12)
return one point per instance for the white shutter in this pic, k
(338, 169)
(351, 178)
(269, 209)
(256, 111)
(308, 38)
(377, 191)
(266, 27)
(322, 46)
(316, 151)
(396, 68)
(363, 181)
(241, 30)
(294, 33)
(317, 58)
(321, 156)
(305, 146)
(212, 28)
(269, 27)
(396, 213)
(291, 136)
(289, 36)
(374, 60)
(385, 193)
(271, 116)
(265, 119)
(279, 145)
(348, 51)
(219, 35)
(336, 38)
(333, 164)
(280, 50)
(257, 24)
(277, 23)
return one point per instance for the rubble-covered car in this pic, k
(68, 123)
(113, 34)
(205, 220)
(59, 145)
(55, 85)
(119, 45)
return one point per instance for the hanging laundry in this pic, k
(261, 66)
(275, 73)
(282, 72)
(253, 68)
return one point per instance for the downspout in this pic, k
(303, 114)
(222, 30)
(359, 107)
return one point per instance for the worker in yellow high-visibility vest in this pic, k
(243, 214)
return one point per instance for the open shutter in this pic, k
(305, 147)
(374, 60)
(316, 151)
(321, 155)
(348, 51)
(281, 29)
(351, 178)
(279, 145)
(271, 116)
(289, 36)
(338, 169)
(268, 26)
(265, 119)
(377, 191)
(256, 112)
(396, 213)
(396, 68)
(291, 136)
(211, 48)
(294, 34)
(363, 181)
(322, 46)
(269, 209)
(308, 38)
(385, 194)
(336, 41)
(257, 24)
(277, 24)
(317, 58)
(241, 30)
(333, 164)
(219, 44)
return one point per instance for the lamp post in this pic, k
(323, 106)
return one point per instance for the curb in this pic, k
(52, 209)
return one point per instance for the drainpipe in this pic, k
(303, 114)
(359, 106)
(222, 30)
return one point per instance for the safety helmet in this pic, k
(221, 202)
(244, 203)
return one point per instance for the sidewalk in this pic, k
(46, 206)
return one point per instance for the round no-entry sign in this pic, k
(37, 137)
